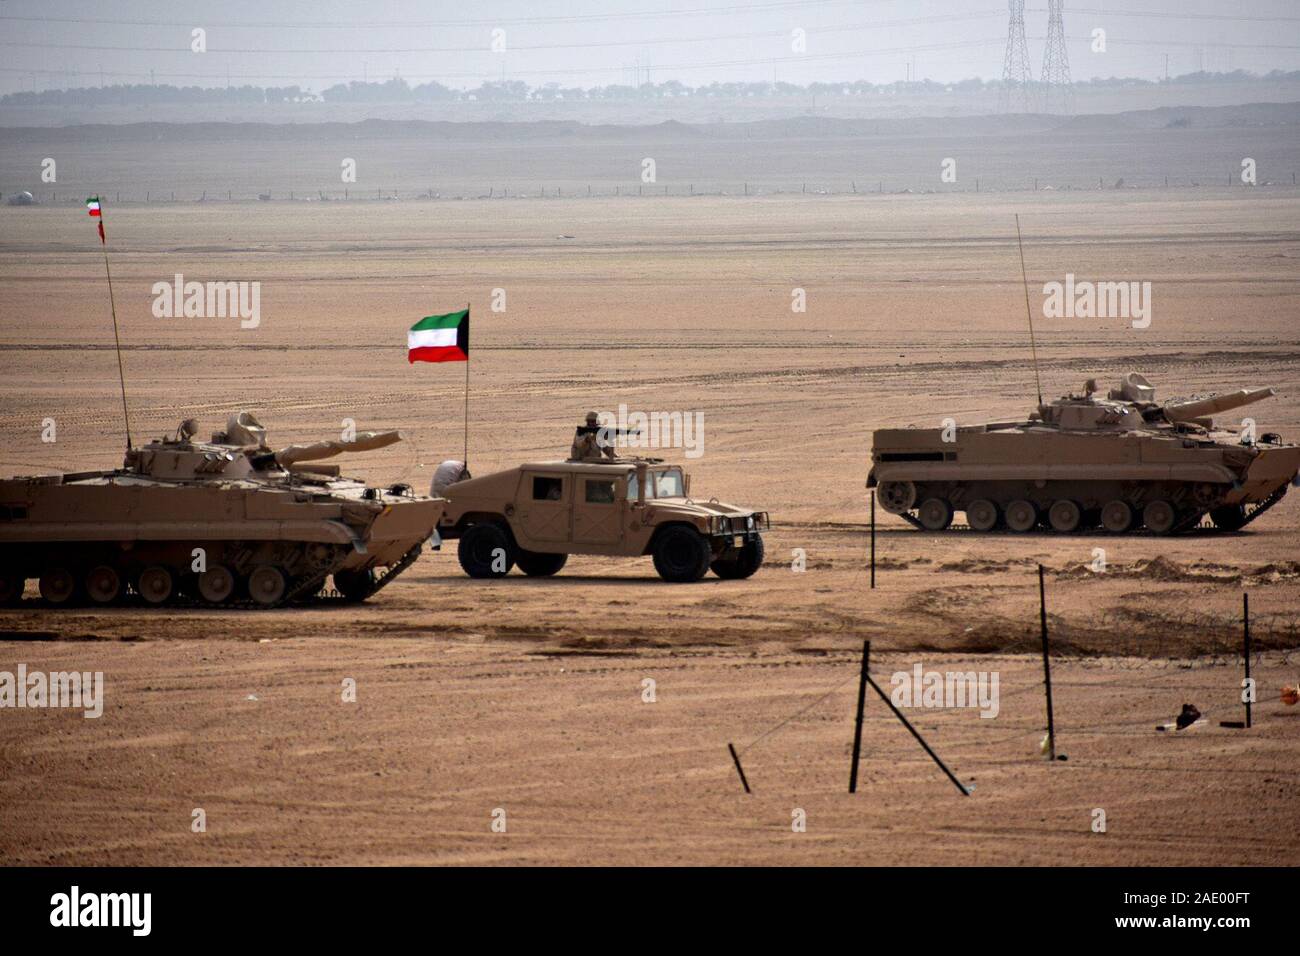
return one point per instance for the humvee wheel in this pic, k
(537, 564)
(58, 585)
(354, 585)
(896, 497)
(485, 551)
(216, 584)
(11, 587)
(935, 514)
(156, 584)
(741, 564)
(267, 584)
(682, 554)
(103, 584)
(982, 515)
(1159, 516)
(1021, 515)
(1117, 516)
(1229, 517)
(1064, 516)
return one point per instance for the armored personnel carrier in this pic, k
(1122, 462)
(223, 522)
(536, 515)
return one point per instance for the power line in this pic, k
(1057, 88)
(492, 22)
(1015, 63)
(481, 48)
(1164, 15)
(762, 61)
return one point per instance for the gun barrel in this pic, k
(364, 441)
(1187, 411)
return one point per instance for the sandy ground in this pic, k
(526, 695)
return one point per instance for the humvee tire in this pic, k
(742, 563)
(681, 554)
(537, 564)
(479, 546)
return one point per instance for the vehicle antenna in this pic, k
(96, 209)
(1029, 314)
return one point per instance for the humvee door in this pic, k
(599, 509)
(545, 501)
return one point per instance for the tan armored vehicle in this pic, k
(224, 522)
(536, 515)
(1121, 462)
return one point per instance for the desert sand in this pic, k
(526, 695)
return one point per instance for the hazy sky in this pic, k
(56, 43)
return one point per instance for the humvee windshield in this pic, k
(669, 483)
(661, 484)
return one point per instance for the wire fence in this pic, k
(864, 188)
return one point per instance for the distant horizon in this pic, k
(53, 44)
(922, 84)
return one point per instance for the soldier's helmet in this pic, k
(592, 418)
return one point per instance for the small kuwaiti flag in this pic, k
(439, 338)
(92, 207)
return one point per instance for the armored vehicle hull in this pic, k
(1121, 463)
(226, 522)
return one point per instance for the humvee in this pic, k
(534, 516)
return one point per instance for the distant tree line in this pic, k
(149, 94)
(397, 90)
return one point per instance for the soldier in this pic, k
(590, 442)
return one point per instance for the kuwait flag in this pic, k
(439, 338)
(92, 207)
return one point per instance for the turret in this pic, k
(240, 451)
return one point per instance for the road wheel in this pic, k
(1064, 516)
(156, 584)
(58, 586)
(982, 515)
(267, 584)
(536, 564)
(742, 563)
(1022, 515)
(216, 584)
(354, 585)
(1117, 516)
(896, 497)
(1229, 517)
(11, 587)
(935, 514)
(1159, 516)
(485, 551)
(103, 584)
(682, 554)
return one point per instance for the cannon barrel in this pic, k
(365, 441)
(1187, 411)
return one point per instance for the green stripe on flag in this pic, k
(449, 321)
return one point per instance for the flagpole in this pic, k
(117, 341)
(465, 460)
